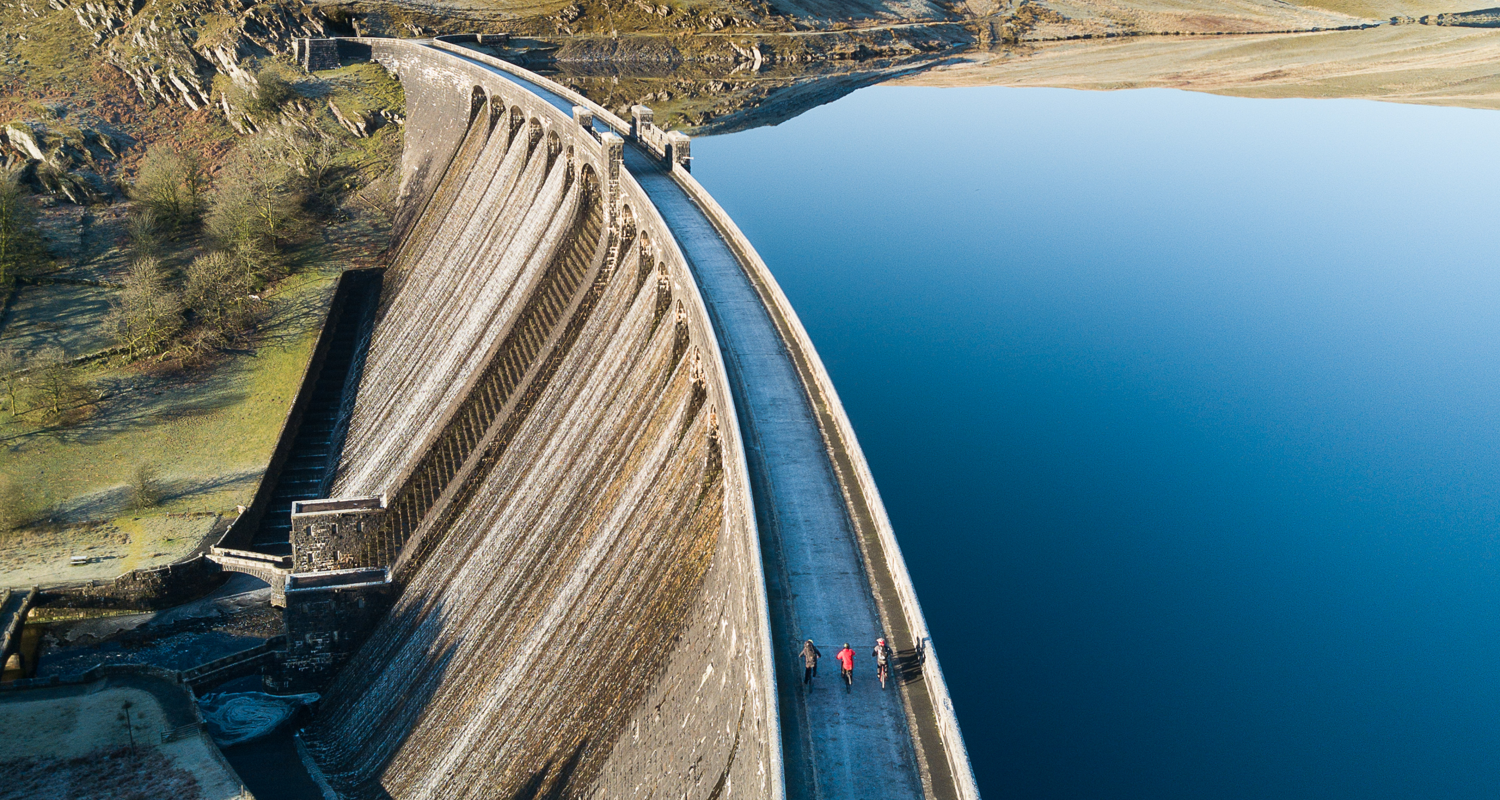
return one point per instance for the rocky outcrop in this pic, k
(61, 158)
(354, 122)
(172, 49)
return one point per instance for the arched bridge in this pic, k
(567, 486)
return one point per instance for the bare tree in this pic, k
(149, 312)
(20, 246)
(10, 379)
(146, 489)
(145, 232)
(257, 203)
(218, 292)
(170, 184)
(57, 383)
(311, 154)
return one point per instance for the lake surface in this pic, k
(1184, 409)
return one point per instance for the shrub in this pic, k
(271, 93)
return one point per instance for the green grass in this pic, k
(209, 434)
(363, 89)
(200, 428)
(47, 60)
(68, 316)
(207, 431)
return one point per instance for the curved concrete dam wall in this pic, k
(579, 608)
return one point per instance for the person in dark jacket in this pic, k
(810, 656)
(883, 658)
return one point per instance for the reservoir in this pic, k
(1184, 409)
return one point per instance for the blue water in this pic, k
(1185, 411)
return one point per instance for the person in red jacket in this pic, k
(846, 660)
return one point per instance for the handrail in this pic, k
(11, 637)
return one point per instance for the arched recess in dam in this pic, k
(541, 479)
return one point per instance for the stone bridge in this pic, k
(567, 486)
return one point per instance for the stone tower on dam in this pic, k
(571, 487)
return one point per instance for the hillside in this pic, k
(1407, 63)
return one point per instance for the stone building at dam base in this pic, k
(567, 486)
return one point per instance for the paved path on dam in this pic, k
(853, 744)
(837, 744)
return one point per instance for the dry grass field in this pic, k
(1405, 63)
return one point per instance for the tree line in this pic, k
(239, 227)
(258, 205)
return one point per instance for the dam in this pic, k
(570, 487)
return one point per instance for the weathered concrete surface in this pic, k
(813, 498)
(581, 608)
(819, 587)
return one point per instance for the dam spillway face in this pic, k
(574, 606)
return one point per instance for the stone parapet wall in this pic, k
(316, 54)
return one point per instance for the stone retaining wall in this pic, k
(142, 589)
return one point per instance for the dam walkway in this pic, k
(837, 744)
(854, 744)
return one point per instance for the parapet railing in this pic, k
(212, 670)
(355, 578)
(932, 674)
(10, 638)
(333, 504)
(649, 217)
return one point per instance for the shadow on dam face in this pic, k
(571, 619)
